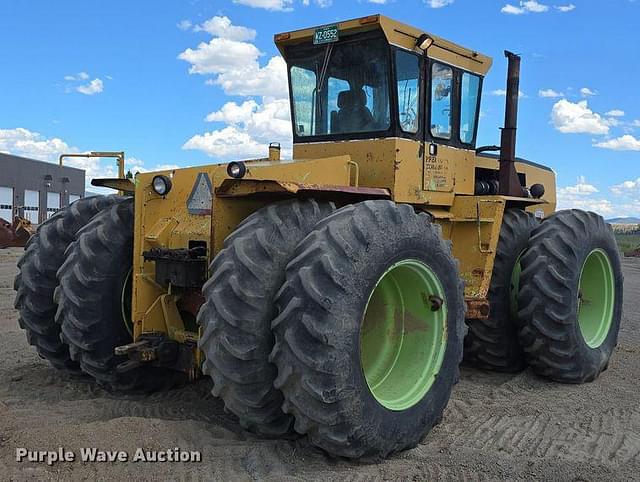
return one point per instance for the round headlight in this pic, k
(161, 185)
(236, 170)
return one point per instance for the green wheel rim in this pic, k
(596, 293)
(403, 334)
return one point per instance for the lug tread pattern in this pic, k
(236, 317)
(36, 280)
(307, 330)
(92, 263)
(547, 286)
(493, 343)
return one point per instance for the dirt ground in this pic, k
(495, 427)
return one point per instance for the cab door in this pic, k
(453, 105)
(439, 157)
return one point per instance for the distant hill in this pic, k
(630, 220)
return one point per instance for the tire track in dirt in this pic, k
(609, 438)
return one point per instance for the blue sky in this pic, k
(200, 81)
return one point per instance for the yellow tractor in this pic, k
(327, 295)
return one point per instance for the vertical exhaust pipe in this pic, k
(509, 182)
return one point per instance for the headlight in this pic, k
(161, 185)
(236, 170)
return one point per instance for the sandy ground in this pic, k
(495, 427)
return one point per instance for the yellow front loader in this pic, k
(334, 294)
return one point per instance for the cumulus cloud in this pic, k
(503, 93)
(438, 3)
(577, 118)
(184, 24)
(565, 8)
(625, 143)
(234, 64)
(277, 5)
(79, 76)
(581, 196)
(587, 92)
(615, 113)
(531, 6)
(549, 93)
(250, 128)
(94, 87)
(222, 27)
(26, 143)
(627, 188)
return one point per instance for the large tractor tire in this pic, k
(493, 344)
(370, 330)
(236, 317)
(570, 301)
(36, 279)
(93, 300)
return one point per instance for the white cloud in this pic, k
(184, 24)
(627, 188)
(94, 87)
(379, 2)
(577, 118)
(503, 93)
(625, 143)
(628, 194)
(250, 128)
(587, 197)
(222, 27)
(79, 76)
(580, 196)
(233, 64)
(581, 188)
(512, 10)
(615, 113)
(549, 93)
(26, 143)
(236, 69)
(438, 3)
(565, 8)
(531, 6)
(277, 5)
(587, 92)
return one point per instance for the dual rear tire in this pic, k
(72, 290)
(364, 349)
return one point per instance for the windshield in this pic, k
(341, 88)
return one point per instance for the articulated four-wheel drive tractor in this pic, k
(334, 294)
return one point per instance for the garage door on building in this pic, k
(31, 205)
(53, 203)
(73, 197)
(6, 203)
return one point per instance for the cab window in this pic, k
(303, 85)
(341, 88)
(468, 107)
(408, 87)
(441, 89)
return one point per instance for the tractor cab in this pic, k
(359, 82)
(404, 105)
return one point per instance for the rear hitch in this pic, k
(156, 349)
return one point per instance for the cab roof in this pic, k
(399, 34)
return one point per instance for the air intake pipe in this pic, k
(509, 182)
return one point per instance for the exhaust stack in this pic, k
(509, 182)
